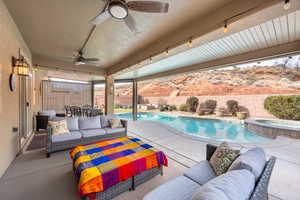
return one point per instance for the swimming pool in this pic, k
(205, 128)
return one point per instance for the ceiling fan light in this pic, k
(118, 10)
(287, 4)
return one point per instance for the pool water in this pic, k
(205, 128)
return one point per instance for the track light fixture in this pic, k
(287, 4)
(167, 52)
(190, 43)
(225, 27)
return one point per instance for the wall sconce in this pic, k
(20, 66)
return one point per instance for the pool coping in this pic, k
(256, 122)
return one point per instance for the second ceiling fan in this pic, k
(119, 9)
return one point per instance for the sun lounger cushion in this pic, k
(178, 188)
(233, 185)
(114, 130)
(201, 172)
(86, 123)
(73, 123)
(66, 137)
(104, 120)
(92, 132)
(253, 160)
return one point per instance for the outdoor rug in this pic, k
(38, 142)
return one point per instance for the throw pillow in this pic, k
(59, 127)
(222, 158)
(115, 123)
(233, 185)
(253, 160)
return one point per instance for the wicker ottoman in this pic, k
(127, 185)
(108, 168)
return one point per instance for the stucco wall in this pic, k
(254, 103)
(10, 41)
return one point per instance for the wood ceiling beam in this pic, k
(257, 55)
(198, 27)
(47, 63)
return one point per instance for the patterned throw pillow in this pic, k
(115, 123)
(222, 158)
(59, 127)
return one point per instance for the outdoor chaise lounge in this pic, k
(84, 130)
(249, 181)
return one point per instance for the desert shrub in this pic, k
(165, 107)
(201, 111)
(207, 106)
(173, 108)
(192, 103)
(183, 107)
(284, 107)
(232, 106)
(211, 104)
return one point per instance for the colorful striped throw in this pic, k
(101, 165)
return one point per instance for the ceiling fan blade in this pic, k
(129, 21)
(91, 60)
(100, 18)
(148, 6)
(77, 63)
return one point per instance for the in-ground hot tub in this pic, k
(272, 127)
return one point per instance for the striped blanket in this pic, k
(101, 165)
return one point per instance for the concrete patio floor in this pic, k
(32, 176)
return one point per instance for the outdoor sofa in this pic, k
(84, 130)
(200, 181)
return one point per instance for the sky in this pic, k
(292, 62)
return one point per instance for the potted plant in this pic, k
(201, 112)
(241, 115)
(220, 112)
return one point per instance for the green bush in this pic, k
(284, 107)
(208, 106)
(165, 107)
(232, 106)
(192, 103)
(173, 108)
(183, 107)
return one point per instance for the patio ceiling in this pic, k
(53, 30)
(267, 38)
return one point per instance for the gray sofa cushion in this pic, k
(50, 113)
(233, 185)
(179, 188)
(253, 160)
(73, 123)
(201, 172)
(74, 135)
(92, 132)
(114, 130)
(104, 120)
(86, 123)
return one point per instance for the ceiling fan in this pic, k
(119, 9)
(80, 60)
